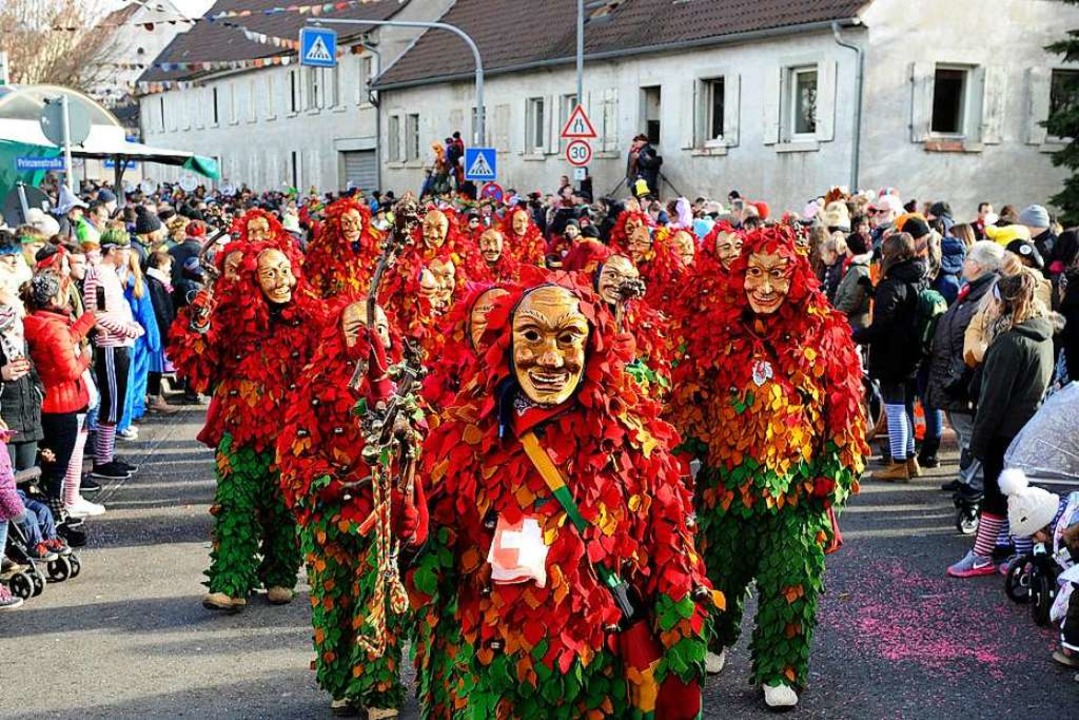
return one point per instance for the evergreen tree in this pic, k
(1063, 122)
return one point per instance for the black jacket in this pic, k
(20, 403)
(1069, 337)
(1018, 368)
(894, 352)
(949, 376)
(181, 286)
(164, 311)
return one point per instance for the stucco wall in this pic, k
(1007, 38)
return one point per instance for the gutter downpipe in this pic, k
(859, 90)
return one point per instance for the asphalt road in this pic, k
(129, 639)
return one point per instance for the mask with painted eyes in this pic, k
(258, 229)
(352, 226)
(275, 276)
(728, 247)
(616, 271)
(638, 239)
(477, 318)
(768, 280)
(355, 317)
(491, 243)
(435, 227)
(550, 336)
(520, 223)
(684, 246)
(232, 265)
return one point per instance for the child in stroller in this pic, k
(1051, 574)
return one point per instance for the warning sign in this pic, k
(578, 126)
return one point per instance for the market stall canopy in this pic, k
(20, 113)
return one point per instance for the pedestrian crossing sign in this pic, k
(480, 164)
(318, 47)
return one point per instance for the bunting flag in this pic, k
(314, 10)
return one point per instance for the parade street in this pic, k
(129, 638)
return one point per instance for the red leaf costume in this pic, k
(529, 248)
(334, 265)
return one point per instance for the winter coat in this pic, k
(20, 402)
(1069, 337)
(949, 376)
(181, 285)
(1017, 371)
(164, 312)
(894, 351)
(54, 344)
(852, 296)
(831, 276)
(952, 254)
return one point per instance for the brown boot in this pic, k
(914, 470)
(896, 471)
(159, 405)
(279, 595)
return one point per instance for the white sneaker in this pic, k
(780, 697)
(132, 433)
(714, 664)
(84, 508)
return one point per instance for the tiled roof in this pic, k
(515, 34)
(218, 42)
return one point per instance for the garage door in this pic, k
(361, 169)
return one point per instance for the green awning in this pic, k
(203, 166)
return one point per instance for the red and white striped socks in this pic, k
(104, 444)
(988, 527)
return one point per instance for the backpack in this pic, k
(930, 306)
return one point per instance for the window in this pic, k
(535, 126)
(161, 112)
(803, 101)
(367, 72)
(252, 113)
(713, 108)
(234, 116)
(294, 90)
(1063, 91)
(412, 136)
(395, 138)
(949, 101)
(651, 102)
(565, 107)
(296, 159)
(313, 95)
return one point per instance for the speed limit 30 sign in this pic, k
(579, 153)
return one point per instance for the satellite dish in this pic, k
(52, 121)
(148, 186)
(188, 182)
(35, 198)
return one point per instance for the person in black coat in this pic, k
(21, 391)
(159, 283)
(894, 350)
(189, 248)
(1016, 373)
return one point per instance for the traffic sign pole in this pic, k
(68, 166)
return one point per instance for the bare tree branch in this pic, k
(53, 42)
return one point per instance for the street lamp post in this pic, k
(480, 119)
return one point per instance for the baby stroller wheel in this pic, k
(1042, 593)
(1017, 581)
(76, 565)
(966, 519)
(59, 569)
(38, 581)
(21, 585)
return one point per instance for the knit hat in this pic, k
(915, 226)
(145, 221)
(115, 237)
(44, 286)
(1034, 216)
(106, 196)
(939, 209)
(1026, 250)
(858, 244)
(1029, 508)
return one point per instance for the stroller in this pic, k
(25, 578)
(1047, 450)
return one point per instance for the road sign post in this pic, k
(481, 164)
(318, 47)
(579, 153)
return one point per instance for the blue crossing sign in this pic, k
(318, 47)
(480, 164)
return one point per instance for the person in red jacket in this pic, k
(54, 336)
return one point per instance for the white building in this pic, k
(762, 97)
(277, 125)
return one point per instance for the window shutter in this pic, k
(732, 108)
(994, 94)
(773, 101)
(700, 115)
(921, 100)
(1039, 82)
(826, 85)
(502, 128)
